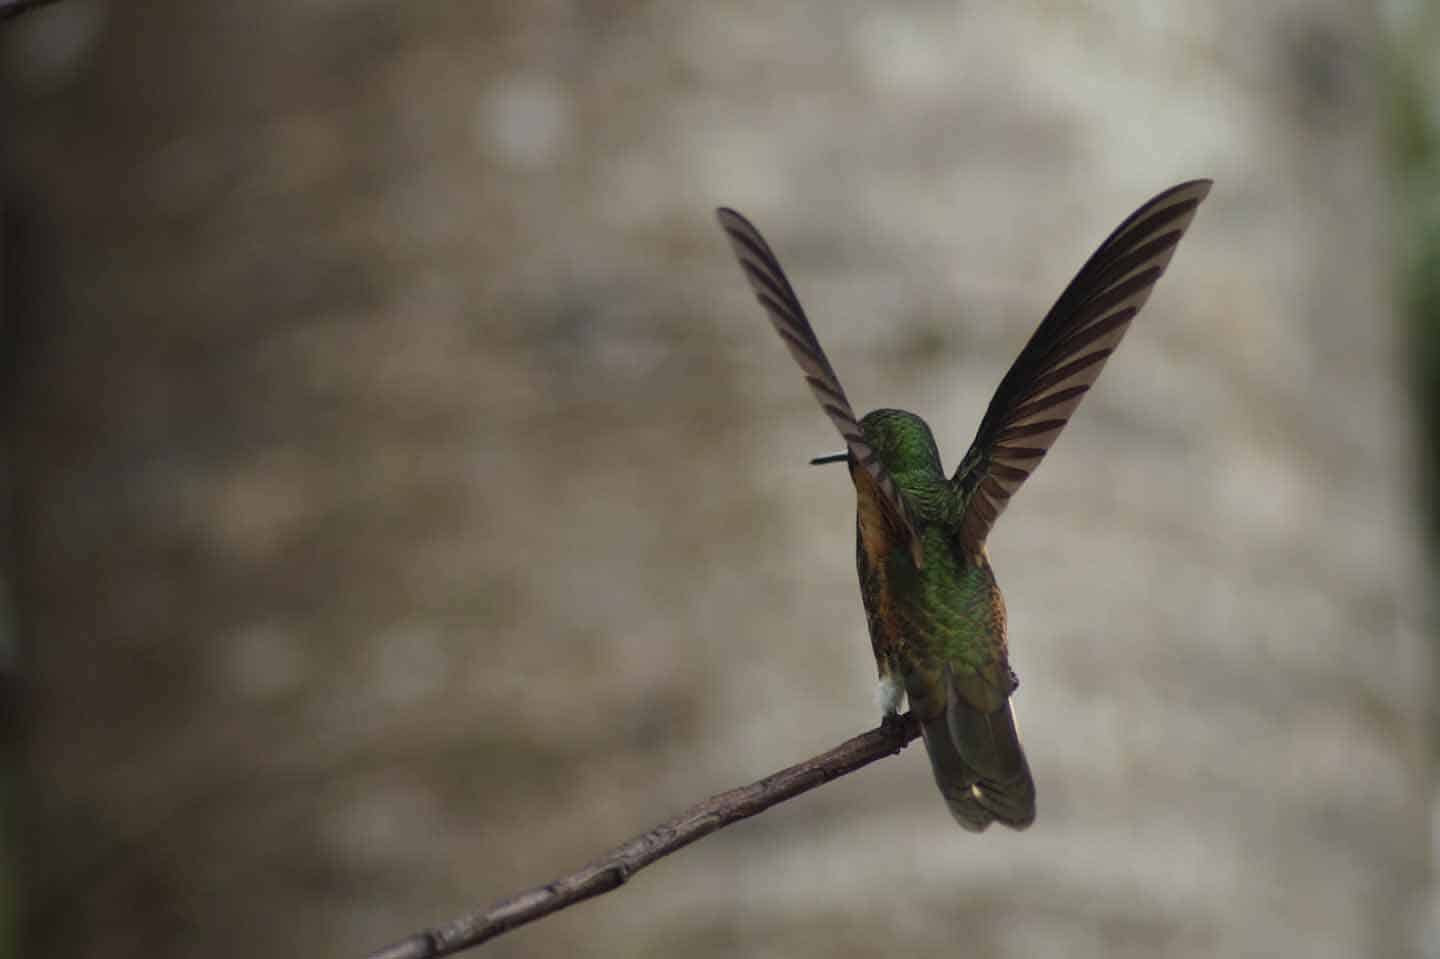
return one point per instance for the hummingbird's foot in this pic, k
(890, 722)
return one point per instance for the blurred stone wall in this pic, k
(410, 502)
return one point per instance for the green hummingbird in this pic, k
(936, 616)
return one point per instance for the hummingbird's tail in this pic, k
(980, 765)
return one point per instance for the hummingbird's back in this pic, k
(966, 715)
(938, 633)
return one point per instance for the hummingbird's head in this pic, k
(901, 440)
(905, 447)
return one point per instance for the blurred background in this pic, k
(407, 500)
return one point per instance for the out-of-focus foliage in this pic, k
(1415, 151)
(8, 899)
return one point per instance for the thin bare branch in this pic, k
(617, 866)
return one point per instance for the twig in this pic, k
(13, 8)
(614, 868)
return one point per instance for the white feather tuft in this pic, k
(890, 695)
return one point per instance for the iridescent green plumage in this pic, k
(936, 616)
(938, 630)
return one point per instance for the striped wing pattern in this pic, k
(781, 304)
(1065, 355)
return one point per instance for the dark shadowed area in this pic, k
(408, 500)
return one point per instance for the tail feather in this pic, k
(954, 778)
(980, 766)
(1003, 781)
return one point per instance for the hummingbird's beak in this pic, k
(839, 457)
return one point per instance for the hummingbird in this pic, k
(934, 610)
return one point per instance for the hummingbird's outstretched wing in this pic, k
(773, 291)
(1065, 355)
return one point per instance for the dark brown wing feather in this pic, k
(1065, 355)
(781, 304)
